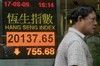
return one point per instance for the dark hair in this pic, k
(81, 10)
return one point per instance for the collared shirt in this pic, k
(73, 50)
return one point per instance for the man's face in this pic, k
(89, 24)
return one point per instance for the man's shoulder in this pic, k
(68, 38)
(71, 36)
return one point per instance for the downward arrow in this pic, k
(17, 51)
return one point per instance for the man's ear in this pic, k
(80, 18)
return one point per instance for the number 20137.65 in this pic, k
(30, 38)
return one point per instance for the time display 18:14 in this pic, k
(46, 4)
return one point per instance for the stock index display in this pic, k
(30, 28)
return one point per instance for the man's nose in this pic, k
(95, 23)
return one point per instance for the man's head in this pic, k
(84, 19)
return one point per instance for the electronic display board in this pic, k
(30, 27)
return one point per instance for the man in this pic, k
(73, 50)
